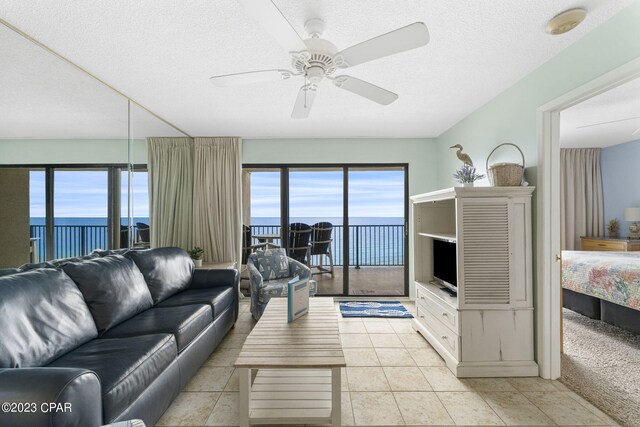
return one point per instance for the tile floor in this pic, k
(393, 377)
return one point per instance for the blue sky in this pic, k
(83, 194)
(319, 194)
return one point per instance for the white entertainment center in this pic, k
(486, 329)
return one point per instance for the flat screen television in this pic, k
(444, 264)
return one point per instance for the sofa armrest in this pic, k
(210, 278)
(50, 397)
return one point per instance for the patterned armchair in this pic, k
(269, 273)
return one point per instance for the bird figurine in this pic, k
(463, 157)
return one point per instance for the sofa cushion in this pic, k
(113, 288)
(60, 262)
(219, 298)
(35, 266)
(271, 263)
(125, 366)
(8, 271)
(42, 316)
(105, 252)
(184, 322)
(167, 271)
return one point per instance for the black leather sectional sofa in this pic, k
(86, 342)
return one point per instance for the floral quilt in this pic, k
(612, 276)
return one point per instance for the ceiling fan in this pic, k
(316, 59)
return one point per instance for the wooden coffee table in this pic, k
(298, 363)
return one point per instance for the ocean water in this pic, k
(374, 241)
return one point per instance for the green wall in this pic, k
(511, 116)
(420, 154)
(70, 151)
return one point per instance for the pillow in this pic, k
(113, 288)
(272, 263)
(42, 316)
(167, 271)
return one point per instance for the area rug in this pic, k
(601, 362)
(388, 309)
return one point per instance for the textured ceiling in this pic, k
(42, 96)
(161, 54)
(601, 121)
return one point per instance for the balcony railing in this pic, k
(370, 245)
(72, 240)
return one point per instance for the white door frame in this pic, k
(549, 314)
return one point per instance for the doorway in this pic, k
(549, 317)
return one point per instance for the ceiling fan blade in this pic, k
(400, 40)
(273, 21)
(304, 101)
(365, 89)
(250, 77)
(606, 123)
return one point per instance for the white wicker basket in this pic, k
(505, 174)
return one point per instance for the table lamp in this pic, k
(633, 214)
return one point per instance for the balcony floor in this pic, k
(369, 281)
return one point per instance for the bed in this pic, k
(603, 285)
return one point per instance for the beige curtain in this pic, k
(581, 200)
(246, 197)
(217, 212)
(170, 167)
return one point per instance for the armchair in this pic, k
(269, 273)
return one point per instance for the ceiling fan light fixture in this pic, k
(314, 27)
(565, 21)
(316, 58)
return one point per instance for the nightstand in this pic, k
(609, 244)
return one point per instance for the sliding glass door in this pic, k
(355, 217)
(377, 231)
(316, 201)
(37, 216)
(262, 206)
(134, 208)
(80, 208)
(76, 210)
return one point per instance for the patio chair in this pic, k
(124, 236)
(247, 244)
(321, 245)
(299, 237)
(269, 274)
(143, 232)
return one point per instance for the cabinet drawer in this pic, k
(446, 314)
(442, 334)
(602, 245)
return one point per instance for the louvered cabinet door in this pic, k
(484, 253)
